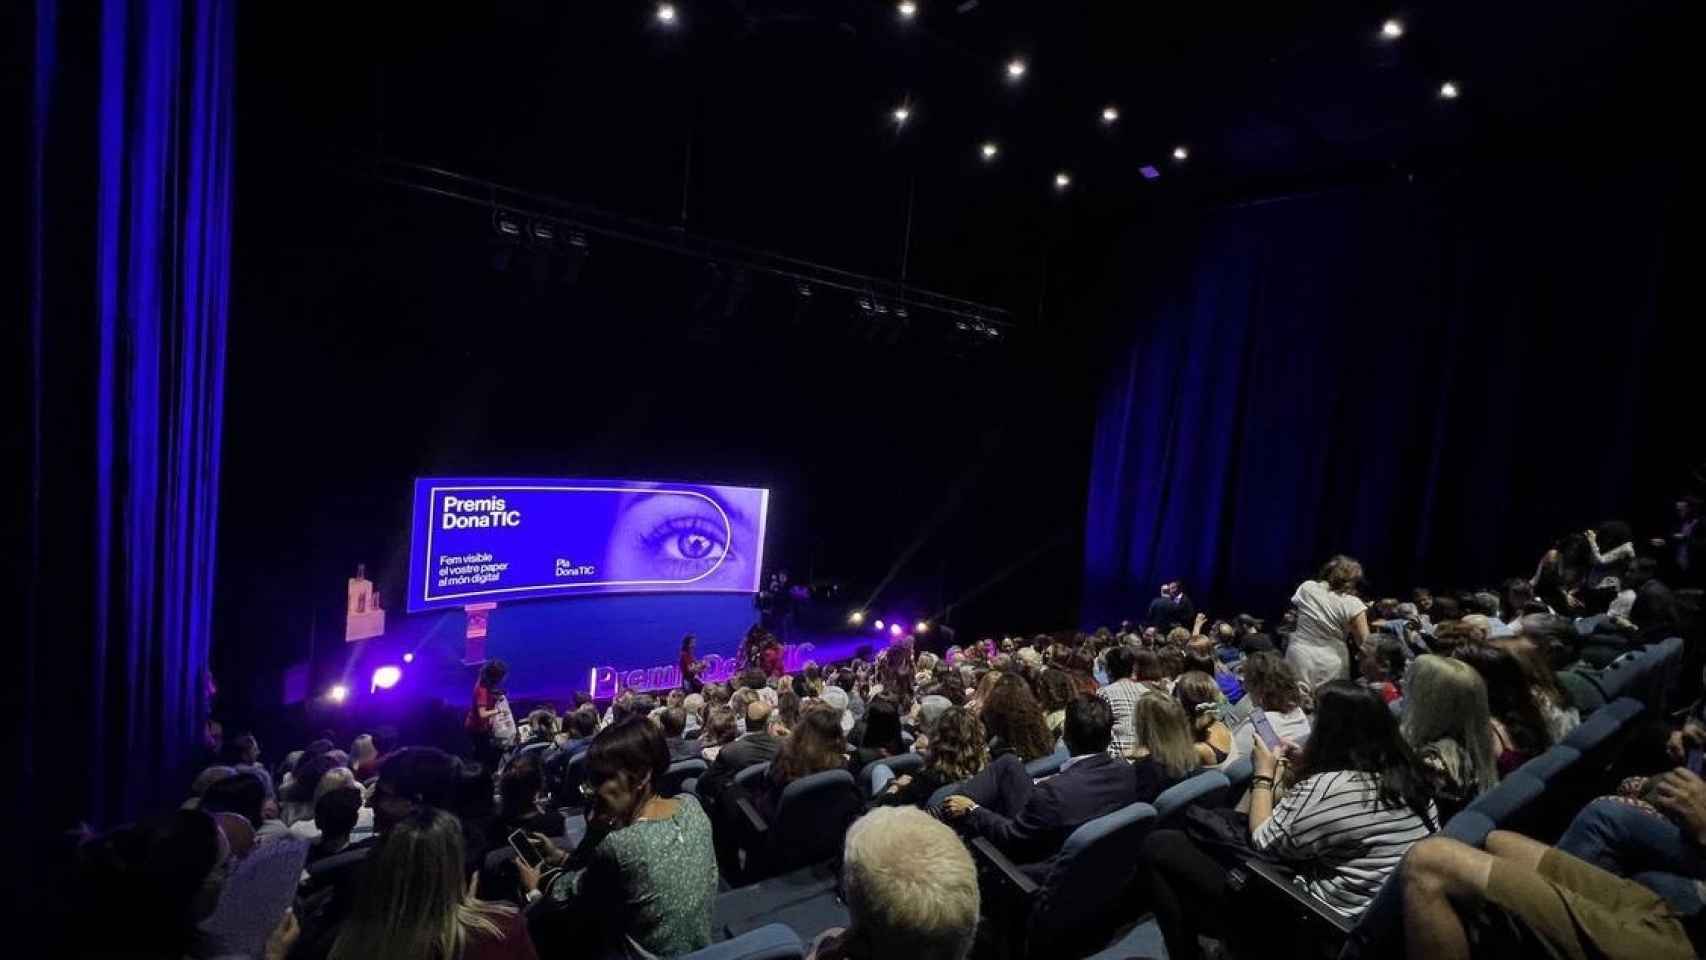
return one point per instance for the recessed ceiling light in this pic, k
(666, 13)
(907, 9)
(990, 149)
(1110, 114)
(1180, 153)
(1062, 180)
(1392, 29)
(1448, 90)
(901, 113)
(1015, 68)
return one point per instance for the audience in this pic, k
(1448, 723)
(760, 744)
(1014, 720)
(957, 751)
(1328, 612)
(1200, 697)
(1275, 688)
(1359, 801)
(1121, 693)
(1165, 752)
(1519, 727)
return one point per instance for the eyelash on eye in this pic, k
(688, 524)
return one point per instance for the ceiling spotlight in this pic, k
(1180, 153)
(1392, 29)
(907, 9)
(666, 13)
(338, 694)
(922, 626)
(386, 677)
(856, 617)
(1110, 114)
(989, 149)
(880, 624)
(1015, 68)
(901, 113)
(1062, 180)
(409, 657)
(894, 630)
(1448, 90)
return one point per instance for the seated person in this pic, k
(1561, 905)
(1275, 686)
(673, 720)
(335, 815)
(957, 751)
(759, 744)
(1090, 784)
(1200, 697)
(1519, 728)
(644, 877)
(1360, 801)
(1165, 753)
(879, 736)
(521, 803)
(911, 891)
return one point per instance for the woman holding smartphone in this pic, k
(1361, 799)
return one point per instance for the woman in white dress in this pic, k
(1328, 611)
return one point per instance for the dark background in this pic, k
(372, 340)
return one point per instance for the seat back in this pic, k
(1205, 787)
(934, 805)
(747, 774)
(1050, 765)
(1088, 878)
(811, 818)
(899, 764)
(573, 776)
(1602, 735)
(679, 772)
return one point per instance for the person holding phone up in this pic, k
(1360, 800)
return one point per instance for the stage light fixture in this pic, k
(386, 677)
(506, 223)
(1448, 91)
(990, 149)
(894, 630)
(901, 113)
(666, 13)
(856, 617)
(409, 657)
(1181, 154)
(907, 9)
(338, 694)
(1392, 29)
(1062, 180)
(1015, 68)
(922, 626)
(1110, 114)
(880, 624)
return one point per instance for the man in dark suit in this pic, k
(673, 720)
(1091, 784)
(760, 744)
(1172, 608)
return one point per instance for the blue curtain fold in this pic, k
(1438, 380)
(131, 254)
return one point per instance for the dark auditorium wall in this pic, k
(1437, 376)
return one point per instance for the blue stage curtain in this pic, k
(130, 236)
(1437, 380)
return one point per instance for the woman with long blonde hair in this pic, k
(1447, 721)
(1166, 752)
(413, 905)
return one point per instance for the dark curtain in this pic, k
(1436, 379)
(123, 353)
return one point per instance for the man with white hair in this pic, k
(911, 890)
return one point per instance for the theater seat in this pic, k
(773, 941)
(1238, 773)
(810, 821)
(745, 775)
(1050, 765)
(934, 804)
(1554, 764)
(1602, 735)
(897, 765)
(1074, 909)
(1206, 787)
(678, 774)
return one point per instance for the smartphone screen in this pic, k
(1264, 728)
(524, 848)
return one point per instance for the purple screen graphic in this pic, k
(483, 540)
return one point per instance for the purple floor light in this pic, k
(386, 677)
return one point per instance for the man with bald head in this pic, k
(759, 744)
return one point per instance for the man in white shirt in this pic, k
(1122, 693)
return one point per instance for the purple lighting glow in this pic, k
(894, 630)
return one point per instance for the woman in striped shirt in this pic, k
(1360, 799)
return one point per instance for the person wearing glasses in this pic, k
(646, 874)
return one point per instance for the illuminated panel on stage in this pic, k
(477, 540)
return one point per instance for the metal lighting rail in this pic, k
(573, 217)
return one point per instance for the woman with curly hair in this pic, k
(1014, 721)
(1055, 689)
(957, 752)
